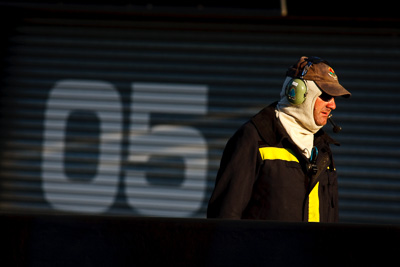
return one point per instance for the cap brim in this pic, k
(333, 89)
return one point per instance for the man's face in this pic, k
(324, 104)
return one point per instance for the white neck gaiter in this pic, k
(298, 120)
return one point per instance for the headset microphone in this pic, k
(336, 128)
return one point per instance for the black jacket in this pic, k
(263, 175)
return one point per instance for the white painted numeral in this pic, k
(166, 140)
(97, 194)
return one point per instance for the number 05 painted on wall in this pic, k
(98, 194)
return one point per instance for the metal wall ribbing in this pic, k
(130, 117)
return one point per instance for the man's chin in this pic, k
(321, 122)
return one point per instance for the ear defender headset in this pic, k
(296, 89)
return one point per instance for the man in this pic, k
(278, 165)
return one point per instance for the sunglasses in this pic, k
(326, 97)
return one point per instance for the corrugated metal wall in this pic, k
(130, 117)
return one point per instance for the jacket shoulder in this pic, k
(267, 125)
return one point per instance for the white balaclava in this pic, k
(298, 120)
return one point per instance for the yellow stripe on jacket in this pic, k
(277, 153)
(313, 205)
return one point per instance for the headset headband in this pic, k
(310, 61)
